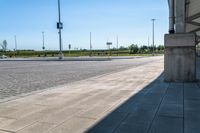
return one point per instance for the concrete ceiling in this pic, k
(193, 16)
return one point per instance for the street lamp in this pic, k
(15, 43)
(90, 43)
(109, 44)
(153, 22)
(149, 48)
(117, 39)
(43, 47)
(60, 27)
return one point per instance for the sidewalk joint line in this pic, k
(183, 108)
(6, 131)
(158, 108)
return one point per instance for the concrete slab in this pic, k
(109, 123)
(37, 128)
(16, 125)
(74, 125)
(167, 125)
(3, 132)
(132, 128)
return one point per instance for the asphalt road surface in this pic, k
(23, 77)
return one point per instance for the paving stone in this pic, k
(6, 121)
(24, 111)
(131, 104)
(171, 110)
(3, 131)
(6, 111)
(139, 118)
(167, 125)
(174, 94)
(191, 91)
(60, 116)
(132, 128)
(109, 123)
(191, 120)
(192, 105)
(37, 128)
(191, 130)
(16, 125)
(75, 125)
(95, 112)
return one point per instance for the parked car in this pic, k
(3, 57)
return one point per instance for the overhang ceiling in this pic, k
(193, 16)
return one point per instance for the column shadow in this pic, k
(136, 114)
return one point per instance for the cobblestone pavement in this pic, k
(22, 77)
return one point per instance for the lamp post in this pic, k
(149, 48)
(15, 45)
(69, 48)
(60, 27)
(153, 34)
(117, 39)
(90, 43)
(43, 47)
(109, 44)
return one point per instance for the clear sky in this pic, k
(129, 19)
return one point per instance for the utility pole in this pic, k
(60, 27)
(153, 34)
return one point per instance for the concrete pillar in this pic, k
(180, 13)
(180, 57)
(180, 49)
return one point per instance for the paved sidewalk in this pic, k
(131, 101)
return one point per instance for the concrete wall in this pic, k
(180, 58)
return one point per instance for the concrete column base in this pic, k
(180, 58)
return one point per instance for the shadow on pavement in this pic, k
(137, 114)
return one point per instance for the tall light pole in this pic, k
(149, 44)
(15, 43)
(43, 47)
(117, 45)
(90, 43)
(60, 27)
(15, 37)
(153, 34)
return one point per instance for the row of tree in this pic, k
(135, 49)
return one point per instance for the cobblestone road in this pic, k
(22, 77)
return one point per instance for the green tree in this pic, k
(133, 49)
(160, 47)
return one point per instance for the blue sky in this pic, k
(129, 19)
